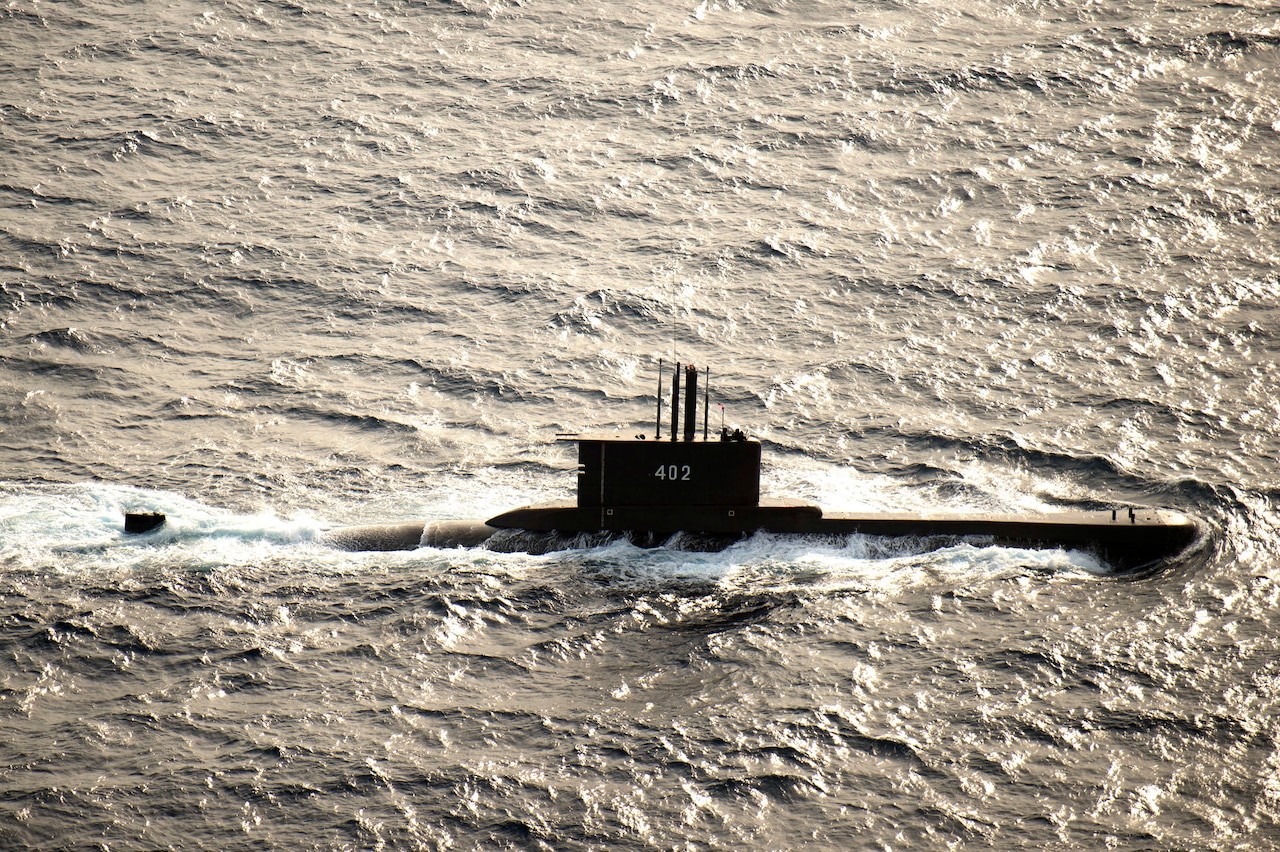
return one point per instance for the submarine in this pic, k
(705, 494)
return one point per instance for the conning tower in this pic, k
(665, 485)
(677, 472)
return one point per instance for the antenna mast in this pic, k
(657, 418)
(690, 402)
(675, 404)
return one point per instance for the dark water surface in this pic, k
(271, 267)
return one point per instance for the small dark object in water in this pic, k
(140, 522)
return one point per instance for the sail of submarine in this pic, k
(648, 490)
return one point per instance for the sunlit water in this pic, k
(273, 267)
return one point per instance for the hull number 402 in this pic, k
(673, 472)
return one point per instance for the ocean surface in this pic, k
(272, 267)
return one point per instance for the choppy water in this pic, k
(270, 267)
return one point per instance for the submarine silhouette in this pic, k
(707, 492)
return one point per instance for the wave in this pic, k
(1225, 43)
(81, 527)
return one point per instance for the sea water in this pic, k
(272, 267)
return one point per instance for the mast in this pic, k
(690, 401)
(657, 417)
(706, 402)
(675, 404)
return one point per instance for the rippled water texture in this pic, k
(272, 267)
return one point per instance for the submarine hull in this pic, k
(1124, 539)
(411, 535)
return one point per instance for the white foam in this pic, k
(62, 527)
(73, 527)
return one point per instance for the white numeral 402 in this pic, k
(673, 472)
